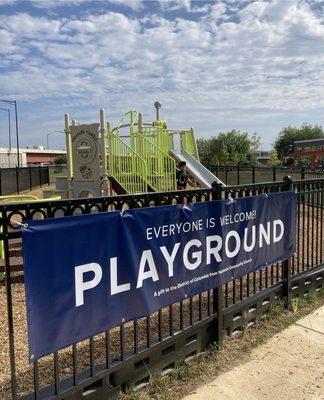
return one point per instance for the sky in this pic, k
(250, 65)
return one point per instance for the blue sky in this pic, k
(214, 65)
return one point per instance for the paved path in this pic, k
(290, 366)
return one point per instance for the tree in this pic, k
(273, 159)
(60, 159)
(229, 148)
(204, 150)
(285, 140)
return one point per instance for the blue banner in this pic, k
(86, 274)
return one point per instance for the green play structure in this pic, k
(132, 157)
(145, 163)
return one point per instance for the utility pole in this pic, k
(14, 103)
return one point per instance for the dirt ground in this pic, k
(39, 191)
(289, 366)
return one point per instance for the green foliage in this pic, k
(273, 159)
(285, 140)
(277, 309)
(311, 297)
(229, 148)
(60, 160)
(299, 302)
(295, 304)
(2, 276)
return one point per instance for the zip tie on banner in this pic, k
(186, 207)
(122, 213)
(230, 199)
(24, 225)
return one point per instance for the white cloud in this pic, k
(6, 42)
(220, 69)
(48, 4)
(173, 5)
(24, 26)
(134, 4)
(7, 2)
(54, 3)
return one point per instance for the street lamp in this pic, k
(157, 106)
(49, 134)
(9, 126)
(14, 103)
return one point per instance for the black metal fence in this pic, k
(56, 170)
(18, 180)
(127, 356)
(237, 175)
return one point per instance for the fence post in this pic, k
(0, 182)
(30, 178)
(238, 174)
(218, 292)
(40, 176)
(302, 173)
(274, 177)
(253, 174)
(48, 175)
(17, 179)
(286, 265)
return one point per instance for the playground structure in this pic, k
(132, 157)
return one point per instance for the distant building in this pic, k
(308, 152)
(263, 158)
(28, 156)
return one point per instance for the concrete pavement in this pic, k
(289, 366)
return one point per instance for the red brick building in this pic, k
(308, 152)
(29, 156)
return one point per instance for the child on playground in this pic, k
(182, 176)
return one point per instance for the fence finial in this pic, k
(288, 182)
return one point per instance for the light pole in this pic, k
(157, 106)
(49, 134)
(9, 126)
(14, 103)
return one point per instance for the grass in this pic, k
(207, 365)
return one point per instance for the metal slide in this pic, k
(203, 176)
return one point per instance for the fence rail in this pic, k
(125, 357)
(18, 180)
(239, 175)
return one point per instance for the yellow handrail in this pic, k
(18, 197)
(161, 168)
(126, 166)
(159, 136)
